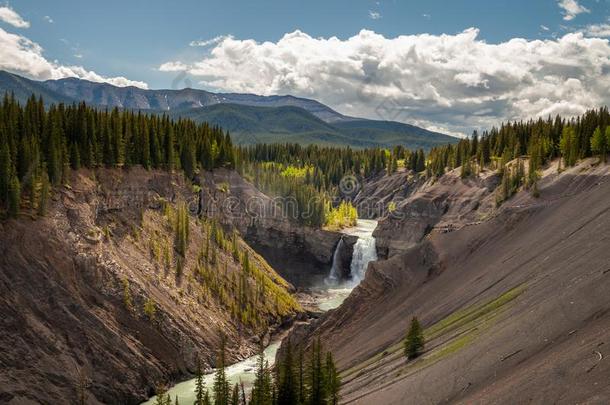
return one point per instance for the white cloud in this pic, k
(375, 15)
(456, 82)
(20, 55)
(598, 30)
(48, 19)
(173, 67)
(571, 8)
(208, 42)
(544, 28)
(10, 16)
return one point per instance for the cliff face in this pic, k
(515, 307)
(302, 255)
(96, 299)
(447, 203)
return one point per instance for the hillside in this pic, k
(97, 299)
(250, 118)
(513, 301)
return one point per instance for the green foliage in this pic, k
(14, 197)
(221, 385)
(333, 381)
(201, 393)
(127, 295)
(150, 309)
(343, 216)
(181, 229)
(569, 146)
(414, 343)
(599, 142)
(263, 383)
(44, 194)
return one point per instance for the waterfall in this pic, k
(335, 273)
(365, 251)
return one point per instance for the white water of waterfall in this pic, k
(365, 252)
(335, 273)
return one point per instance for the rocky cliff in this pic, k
(97, 300)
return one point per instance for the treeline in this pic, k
(296, 380)
(540, 140)
(38, 146)
(535, 142)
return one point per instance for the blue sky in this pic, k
(133, 39)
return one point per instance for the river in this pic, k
(332, 297)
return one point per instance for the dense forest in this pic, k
(38, 146)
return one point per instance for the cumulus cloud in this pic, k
(571, 8)
(48, 19)
(598, 30)
(455, 82)
(10, 16)
(20, 55)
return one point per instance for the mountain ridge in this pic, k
(250, 118)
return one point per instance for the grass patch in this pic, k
(469, 314)
(464, 318)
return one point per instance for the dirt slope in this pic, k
(516, 309)
(74, 287)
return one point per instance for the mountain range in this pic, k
(249, 118)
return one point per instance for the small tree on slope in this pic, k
(414, 343)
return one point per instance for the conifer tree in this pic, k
(333, 381)
(44, 194)
(316, 383)
(221, 385)
(414, 343)
(599, 144)
(200, 390)
(14, 199)
(235, 395)
(286, 380)
(262, 389)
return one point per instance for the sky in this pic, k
(451, 66)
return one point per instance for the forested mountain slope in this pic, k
(250, 118)
(121, 287)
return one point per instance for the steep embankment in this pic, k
(515, 306)
(96, 298)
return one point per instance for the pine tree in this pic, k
(286, 380)
(221, 385)
(200, 391)
(14, 199)
(599, 145)
(262, 389)
(316, 383)
(44, 194)
(414, 343)
(235, 395)
(333, 381)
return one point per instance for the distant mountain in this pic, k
(250, 118)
